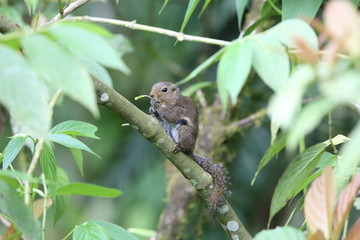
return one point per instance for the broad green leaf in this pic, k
(115, 232)
(76, 128)
(320, 202)
(31, 5)
(274, 149)
(350, 158)
(96, 70)
(163, 6)
(270, 61)
(189, 11)
(295, 174)
(87, 189)
(240, 8)
(286, 102)
(12, 205)
(18, 175)
(13, 14)
(288, 31)
(207, 63)
(61, 202)
(356, 2)
(189, 91)
(233, 70)
(305, 9)
(70, 142)
(82, 41)
(21, 90)
(62, 70)
(280, 233)
(90, 231)
(48, 165)
(78, 158)
(307, 119)
(12, 149)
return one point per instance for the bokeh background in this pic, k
(133, 165)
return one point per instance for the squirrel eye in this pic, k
(164, 89)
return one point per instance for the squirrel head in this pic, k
(162, 92)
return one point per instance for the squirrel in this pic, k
(180, 119)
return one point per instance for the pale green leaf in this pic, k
(115, 232)
(194, 87)
(70, 142)
(18, 175)
(21, 90)
(87, 189)
(189, 11)
(280, 233)
(96, 70)
(288, 31)
(273, 150)
(147, 233)
(76, 128)
(61, 70)
(305, 9)
(83, 42)
(90, 231)
(233, 70)
(48, 165)
(31, 5)
(13, 206)
(203, 66)
(240, 8)
(12, 149)
(270, 61)
(78, 158)
(61, 202)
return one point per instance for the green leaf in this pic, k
(12, 205)
(61, 202)
(115, 232)
(12, 149)
(305, 9)
(70, 142)
(280, 233)
(90, 231)
(356, 2)
(82, 41)
(76, 128)
(295, 174)
(18, 175)
(87, 189)
(206, 4)
(20, 97)
(207, 63)
(78, 158)
(48, 165)
(258, 22)
(163, 6)
(146, 233)
(240, 8)
(288, 31)
(270, 61)
(189, 11)
(189, 91)
(274, 149)
(96, 70)
(62, 70)
(31, 5)
(234, 68)
(350, 158)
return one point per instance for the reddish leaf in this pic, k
(10, 232)
(346, 200)
(354, 233)
(38, 206)
(318, 235)
(320, 203)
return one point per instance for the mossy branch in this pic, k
(150, 128)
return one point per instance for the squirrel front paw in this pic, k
(153, 111)
(177, 148)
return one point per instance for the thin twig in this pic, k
(54, 100)
(135, 26)
(72, 7)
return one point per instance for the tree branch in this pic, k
(135, 26)
(72, 7)
(150, 129)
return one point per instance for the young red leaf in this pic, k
(318, 235)
(320, 203)
(346, 199)
(354, 233)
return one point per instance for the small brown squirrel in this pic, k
(180, 119)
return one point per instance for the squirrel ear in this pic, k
(174, 88)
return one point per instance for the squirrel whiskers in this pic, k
(180, 119)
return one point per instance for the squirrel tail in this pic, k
(221, 179)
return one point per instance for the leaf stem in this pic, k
(69, 234)
(45, 207)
